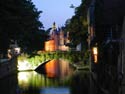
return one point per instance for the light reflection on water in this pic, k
(59, 78)
(26, 79)
(55, 91)
(58, 68)
(56, 78)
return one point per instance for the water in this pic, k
(58, 77)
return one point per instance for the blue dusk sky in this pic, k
(57, 11)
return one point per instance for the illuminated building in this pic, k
(57, 40)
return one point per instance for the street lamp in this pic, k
(95, 54)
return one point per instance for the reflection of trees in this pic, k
(8, 85)
(80, 83)
(107, 80)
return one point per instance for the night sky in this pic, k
(55, 11)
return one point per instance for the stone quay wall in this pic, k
(8, 67)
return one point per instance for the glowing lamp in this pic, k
(95, 54)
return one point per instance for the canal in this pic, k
(56, 77)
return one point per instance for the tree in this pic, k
(20, 22)
(77, 26)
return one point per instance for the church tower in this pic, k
(54, 27)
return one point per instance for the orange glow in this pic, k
(51, 68)
(57, 68)
(64, 48)
(95, 53)
(50, 45)
(95, 58)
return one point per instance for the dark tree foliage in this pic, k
(19, 21)
(77, 26)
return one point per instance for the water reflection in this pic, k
(80, 82)
(8, 85)
(56, 78)
(31, 78)
(61, 90)
(59, 78)
(58, 68)
(77, 83)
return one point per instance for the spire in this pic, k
(54, 26)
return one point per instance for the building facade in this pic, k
(57, 40)
(106, 31)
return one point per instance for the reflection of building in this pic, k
(58, 68)
(57, 40)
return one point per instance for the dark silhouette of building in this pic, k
(106, 26)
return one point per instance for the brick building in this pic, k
(57, 40)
